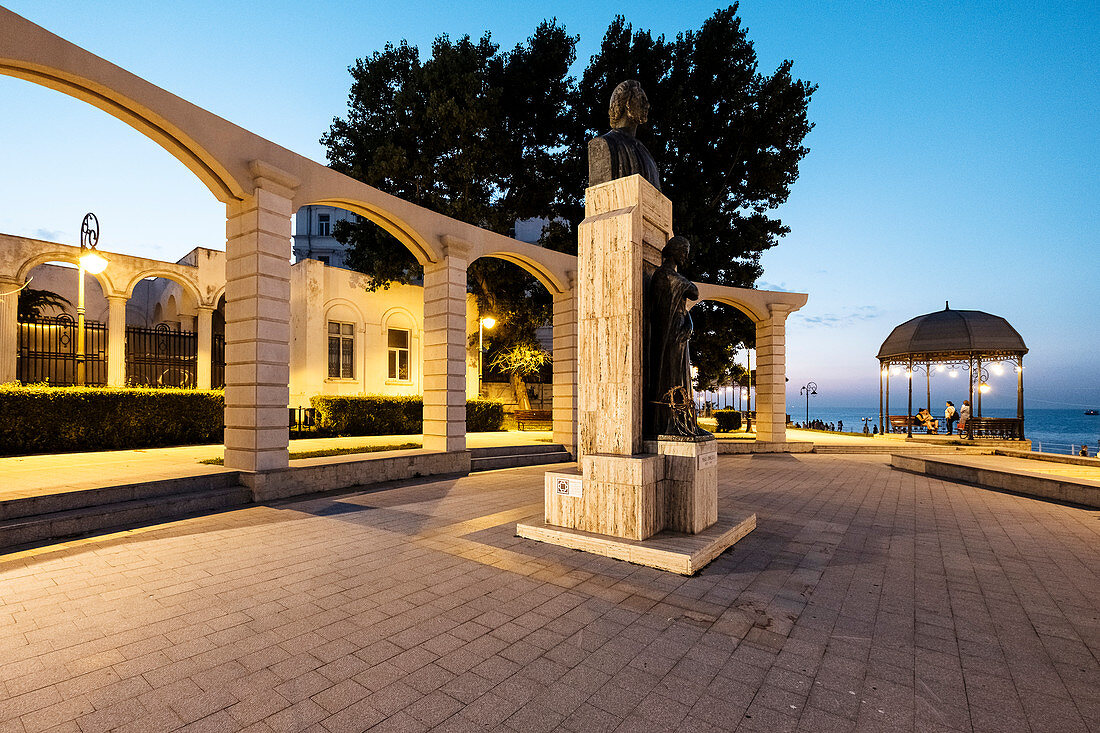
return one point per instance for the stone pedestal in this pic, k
(658, 508)
(621, 496)
(627, 223)
(690, 482)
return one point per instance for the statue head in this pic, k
(678, 250)
(629, 105)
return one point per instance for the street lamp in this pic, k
(91, 262)
(808, 389)
(484, 323)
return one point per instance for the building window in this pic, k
(323, 259)
(324, 229)
(399, 354)
(341, 350)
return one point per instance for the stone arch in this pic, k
(554, 283)
(400, 230)
(33, 54)
(72, 258)
(395, 311)
(185, 283)
(745, 308)
(336, 303)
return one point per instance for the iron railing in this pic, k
(47, 351)
(161, 357)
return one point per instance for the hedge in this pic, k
(728, 420)
(43, 419)
(385, 415)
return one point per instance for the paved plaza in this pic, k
(867, 599)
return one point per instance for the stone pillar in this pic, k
(257, 323)
(204, 324)
(9, 329)
(771, 376)
(565, 370)
(116, 340)
(445, 350)
(627, 223)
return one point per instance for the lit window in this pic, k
(323, 226)
(399, 354)
(341, 350)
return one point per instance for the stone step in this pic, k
(884, 449)
(60, 501)
(118, 515)
(515, 450)
(523, 459)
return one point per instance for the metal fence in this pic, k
(47, 351)
(217, 359)
(161, 357)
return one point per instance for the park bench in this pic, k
(1008, 428)
(900, 423)
(540, 417)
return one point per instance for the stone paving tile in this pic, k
(867, 599)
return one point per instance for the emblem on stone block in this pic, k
(568, 486)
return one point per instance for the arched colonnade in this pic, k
(262, 185)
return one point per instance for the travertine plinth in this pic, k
(667, 550)
(690, 483)
(620, 496)
(627, 222)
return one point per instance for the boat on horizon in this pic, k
(1092, 412)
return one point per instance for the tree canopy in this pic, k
(492, 137)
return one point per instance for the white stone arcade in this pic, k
(262, 185)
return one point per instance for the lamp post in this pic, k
(91, 262)
(483, 323)
(808, 389)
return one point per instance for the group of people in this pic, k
(950, 417)
(822, 425)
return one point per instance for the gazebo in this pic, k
(953, 342)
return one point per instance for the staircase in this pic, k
(35, 519)
(511, 456)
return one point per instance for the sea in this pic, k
(1052, 430)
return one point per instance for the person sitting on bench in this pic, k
(927, 421)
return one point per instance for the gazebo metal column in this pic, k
(909, 416)
(1020, 393)
(880, 367)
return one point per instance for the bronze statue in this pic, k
(619, 153)
(669, 328)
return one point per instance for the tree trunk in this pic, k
(520, 388)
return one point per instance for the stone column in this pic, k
(565, 370)
(257, 323)
(627, 223)
(445, 349)
(9, 329)
(771, 376)
(116, 340)
(204, 323)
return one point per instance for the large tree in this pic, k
(471, 132)
(728, 140)
(492, 137)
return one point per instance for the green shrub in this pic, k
(43, 419)
(484, 416)
(368, 414)
(385, 415)
(728, 420)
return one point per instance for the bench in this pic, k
(1008, 428)
(901, 423)
(543, 417)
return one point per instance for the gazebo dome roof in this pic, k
(953, 332)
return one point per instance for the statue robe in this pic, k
(669, 329)
(619, 154)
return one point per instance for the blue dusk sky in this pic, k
(956, 153)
